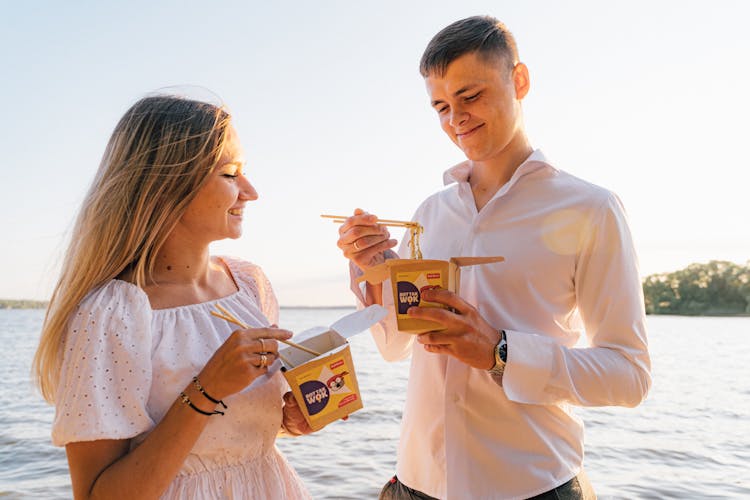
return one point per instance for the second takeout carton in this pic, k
(411, 277)
(325, 386)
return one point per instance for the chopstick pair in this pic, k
(226, 315)
(415, 229)
(384, 222)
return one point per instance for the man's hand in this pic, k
(467, 336)
(363, 240)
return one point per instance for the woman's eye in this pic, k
(231, 176)
(472, 97)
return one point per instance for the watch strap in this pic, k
(502, 347)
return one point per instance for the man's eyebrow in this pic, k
(457, 93)
(463, 89)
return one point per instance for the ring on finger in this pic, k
(262, 345)
(356, 247)
(263, 361)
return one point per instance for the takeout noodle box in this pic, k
(411, 277)
(325, 386)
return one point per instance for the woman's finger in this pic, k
(263, 360)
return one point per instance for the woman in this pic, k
(148, 384)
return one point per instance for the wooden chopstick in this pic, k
(227, 316)
(385, 222)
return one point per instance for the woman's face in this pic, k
(216, 211)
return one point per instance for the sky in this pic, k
(648, 99)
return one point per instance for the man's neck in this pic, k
(487, 177)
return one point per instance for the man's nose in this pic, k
(458, 116)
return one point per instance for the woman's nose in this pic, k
(247, 190)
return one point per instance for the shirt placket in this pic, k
(458, 458)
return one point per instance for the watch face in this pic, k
(501, 353)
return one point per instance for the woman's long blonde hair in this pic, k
(160, 154)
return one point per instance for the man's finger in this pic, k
(358, 219)
(436, 314)
(448, 298)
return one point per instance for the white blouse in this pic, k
(125, 365)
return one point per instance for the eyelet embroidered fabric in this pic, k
(125, 364)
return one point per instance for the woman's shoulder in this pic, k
(115, 295)
(242, 268)
(251, 280)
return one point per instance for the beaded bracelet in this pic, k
(202, 391)
(187, 401)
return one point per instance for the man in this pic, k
(488, 401)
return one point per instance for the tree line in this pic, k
(716, 288)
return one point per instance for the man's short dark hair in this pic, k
(484, 35)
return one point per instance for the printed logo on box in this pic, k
(408, 295)
(411, 285)
(316, 395)
(327, 387)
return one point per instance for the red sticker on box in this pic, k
(349, 399)
(336, 364)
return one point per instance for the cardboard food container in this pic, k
(411, 277)
(325, 386)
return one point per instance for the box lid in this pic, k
(359, 321)
(328, 339)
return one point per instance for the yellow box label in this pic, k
(326, 387)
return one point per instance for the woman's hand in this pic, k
(293, 420)
(243, 357)
(363, 240)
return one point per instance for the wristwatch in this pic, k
(501, 355)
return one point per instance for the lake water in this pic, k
(690, 439)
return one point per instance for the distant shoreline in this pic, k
(23, 304)
(41, 304)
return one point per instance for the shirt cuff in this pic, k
(529, 367)
(355, 272)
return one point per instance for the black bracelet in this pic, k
(202, 391)
(187, 401)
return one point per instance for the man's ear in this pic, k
(521, 80)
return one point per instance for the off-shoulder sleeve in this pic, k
(106, 373)
(254, 280)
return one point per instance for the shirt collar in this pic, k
(535, 161)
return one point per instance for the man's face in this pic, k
(479, 104)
